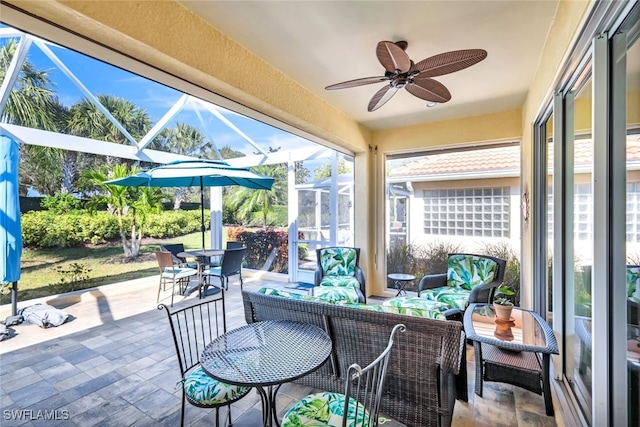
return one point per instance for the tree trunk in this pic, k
(125, 244)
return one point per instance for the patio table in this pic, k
(508, 351)
(267, 354)
(202, 256)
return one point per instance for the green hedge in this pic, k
(45, 229)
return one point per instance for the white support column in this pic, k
(292, 213)
(333, 201)
(216, 217)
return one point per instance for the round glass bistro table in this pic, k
(267, 354)
(400, 280)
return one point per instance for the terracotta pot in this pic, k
(503, 312)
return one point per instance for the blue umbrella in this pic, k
(196, 173)
(10, 230)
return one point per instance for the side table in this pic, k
(510, 351)
(400, 280)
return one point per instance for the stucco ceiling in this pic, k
(318, 43)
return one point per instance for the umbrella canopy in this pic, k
(10, 230)
(196, 173)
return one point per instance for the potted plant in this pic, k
(502, 306)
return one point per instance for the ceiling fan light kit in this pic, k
(416, 78)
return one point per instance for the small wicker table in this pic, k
(267, 354)
(510, 351)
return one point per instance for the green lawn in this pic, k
(103, 265)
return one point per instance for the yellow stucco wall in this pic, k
(568, 19)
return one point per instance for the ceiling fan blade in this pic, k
(357, 82)
(428, 89)
(449, 62)
(381, 97)
(392, 57)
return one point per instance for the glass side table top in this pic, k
(266, 353)
(525, 331)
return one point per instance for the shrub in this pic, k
(45, 229)
(419, 260)
(61, 203)
(505, 251)
(260, 245)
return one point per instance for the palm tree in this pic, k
(88, 121)
(133, 202)
(32, 103)
(246, 200)
(186, 140)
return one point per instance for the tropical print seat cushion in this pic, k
(334, 294)
(633, 274)
(436, 312)
(325, 409)
(338, 261)
(200, 387)
(340, 281)
(451, 297)
(467, 271)
(432, 309)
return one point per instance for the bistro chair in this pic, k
(175, 249)
(232, 244)
(231, 265)
(360, 401)
(193, 328)
(338, 277)
(170, 273)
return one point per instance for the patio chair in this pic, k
(234, 244)
(170, 273)
(470, 278)
(231, 265)
(175, 249)
(193, 328)
(360, 402)
(338, 277)
(230, 245)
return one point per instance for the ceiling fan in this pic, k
(402, 72)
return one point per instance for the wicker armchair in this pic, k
(469, 279)
(338, 276)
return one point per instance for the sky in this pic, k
(101, 78)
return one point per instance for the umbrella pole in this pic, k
(14, 299)
(202, 228)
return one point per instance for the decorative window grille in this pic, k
(583, 212)
(482, 212)
(633, 212)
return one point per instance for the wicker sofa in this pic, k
(421, 380)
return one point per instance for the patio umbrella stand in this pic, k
(196, 173)
(10, 229)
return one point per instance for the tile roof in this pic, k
(496, 159)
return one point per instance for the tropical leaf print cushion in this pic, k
(340, 281)
(452, 297)
(335, 294)
(200, 387)
(633, 274)
(467, 271)
(338, 261)
(325, 409)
